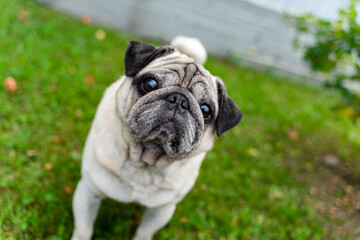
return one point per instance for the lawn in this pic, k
(263, 180)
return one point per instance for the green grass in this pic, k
(253, 185)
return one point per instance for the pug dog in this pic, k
(150, 134)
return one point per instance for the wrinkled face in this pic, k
(174, 103)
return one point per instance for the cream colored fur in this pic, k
(116, 166)
(112, 168)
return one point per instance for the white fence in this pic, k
(322, 8)
(251, 29)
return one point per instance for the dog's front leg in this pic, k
(152, 220)
(85, 207)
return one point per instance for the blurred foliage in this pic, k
(333, 48)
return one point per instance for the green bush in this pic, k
(333, 48)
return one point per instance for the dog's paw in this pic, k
(137, 237)
(80, 237)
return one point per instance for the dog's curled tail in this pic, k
(191, 47)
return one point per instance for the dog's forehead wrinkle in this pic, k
(189, 70)
(170, 75)
(180, 71)
(174, 58)
(203, 92)
(164, 60)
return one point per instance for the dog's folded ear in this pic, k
(229, 114)
(138, 55)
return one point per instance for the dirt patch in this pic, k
(337, 199)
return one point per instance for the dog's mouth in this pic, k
(165, 138)
(154, 145)
(170, 126)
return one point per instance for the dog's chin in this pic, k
(160, 149)
(154, 146)
(165, 139)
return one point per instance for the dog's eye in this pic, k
(149, 84)
(206, 111)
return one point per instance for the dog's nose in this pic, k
(178, 102)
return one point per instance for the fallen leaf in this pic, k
(320, 206)
(330, 160)
(313, 191)
(10, 84)
(332, 211)
(292, 134)
(55, 139)
(253, 152)
(78, 112)
(22, 15)
(100, 34)
(183, 219)
(31, 153)
(357, 206)
(345, 200)
(67, 189)
(89, 79)
(349, 189)
(336, 179)
(275, 194)
(85, 19)
(48, 166)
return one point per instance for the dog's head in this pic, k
(175, 103)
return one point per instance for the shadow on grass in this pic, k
(117, 219)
